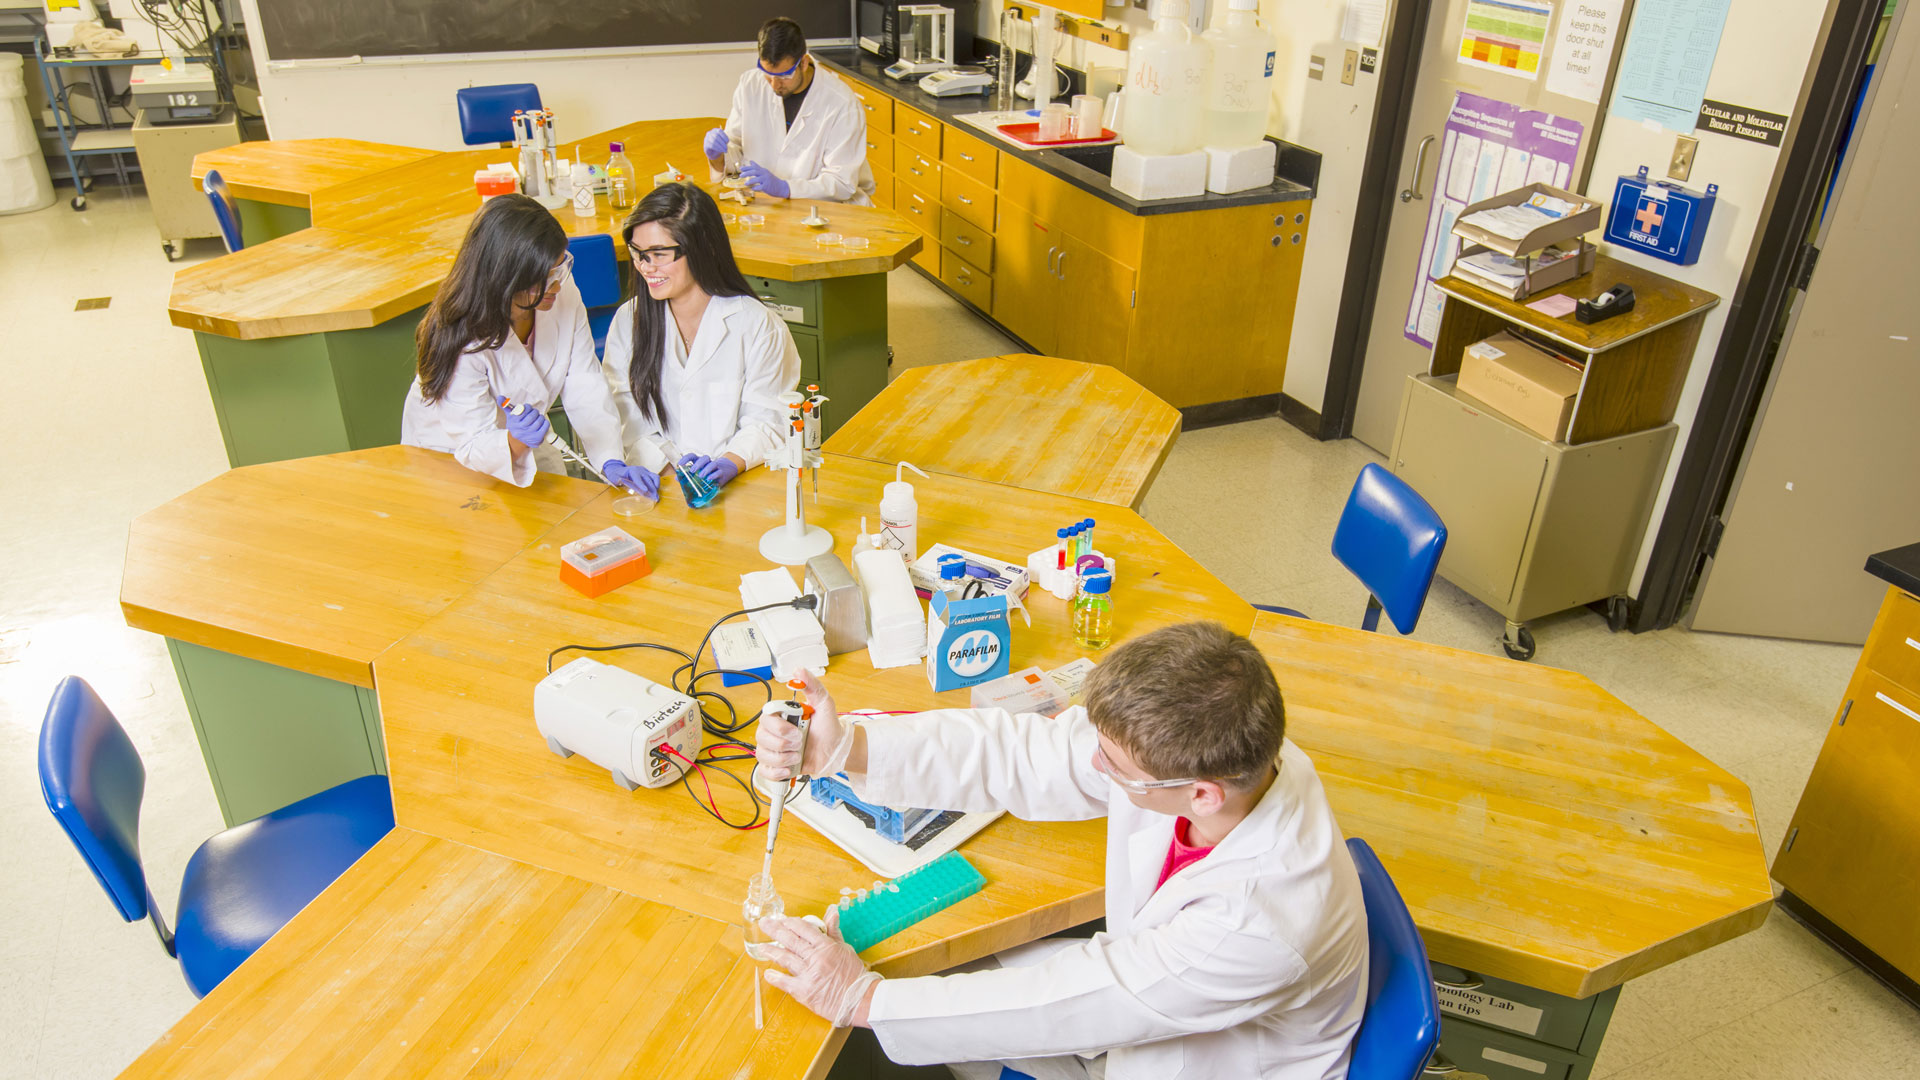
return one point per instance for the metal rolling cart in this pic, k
(81, 141)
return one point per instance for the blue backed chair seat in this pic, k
(486, 112)
(244, 884)
(226, 210)
(1401, 1026)
(1391, 539)
(596, 272)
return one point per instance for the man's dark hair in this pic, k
(781, 39)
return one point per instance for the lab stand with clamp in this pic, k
(78, 141)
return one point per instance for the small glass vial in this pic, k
(1093, 611)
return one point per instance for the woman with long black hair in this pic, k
(695, 357)
(508, 328)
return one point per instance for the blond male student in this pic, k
(1236, 940)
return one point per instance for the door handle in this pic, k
(1060, 266)
(1412, 191)
(1050, 252)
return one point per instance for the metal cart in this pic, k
(81, 141)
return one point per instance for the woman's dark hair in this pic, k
(510, 247)
(692, 218)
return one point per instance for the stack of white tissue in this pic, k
(794, 634)
(896, 627)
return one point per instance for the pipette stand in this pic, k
(793, 543)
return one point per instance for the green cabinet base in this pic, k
(839, 327)
(264, 221)
(289, 397)
(271, 735)
(1566, 1032)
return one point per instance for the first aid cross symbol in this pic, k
(1649, 215)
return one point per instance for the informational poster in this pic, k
(1583, 48)
(1507, 36)
(1362, 24)
(1488, 147)
(1663, 71)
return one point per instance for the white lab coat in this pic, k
(823, 157)
(723, 398)
(1249, 963)
(467, 422)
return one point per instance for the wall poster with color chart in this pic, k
(1488, 147)
(1508, 36)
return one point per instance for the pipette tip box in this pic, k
(601, 562)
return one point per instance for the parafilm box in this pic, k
(967, 641)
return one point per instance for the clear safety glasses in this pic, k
(559, 273)
(795, 66)
(1138, 787)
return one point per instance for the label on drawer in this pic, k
(1889, 702)
(1514, 1060)
(789, 312)
(1487, 1009)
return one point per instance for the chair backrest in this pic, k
(1401, 1026)
(595, 270)
(92, 779)
(225, 210)
(1391, 539)
(486, 112)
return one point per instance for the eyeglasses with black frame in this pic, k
(664, 255)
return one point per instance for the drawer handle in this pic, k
(1471, 982)
(1438, 1065)
(1896, 706)
(969, 202)
(964, 280)
(964, 156)
(963, 240)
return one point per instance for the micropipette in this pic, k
(566, 449)
(797, 713)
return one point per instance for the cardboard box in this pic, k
(1535, 389)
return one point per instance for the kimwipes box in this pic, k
(1534, 388)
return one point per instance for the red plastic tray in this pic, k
(1030, 135)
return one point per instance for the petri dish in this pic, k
(753, 221)
(854, 243)
(828, 239)
(727, 219)
(632, 506)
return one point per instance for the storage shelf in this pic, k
(101, 142)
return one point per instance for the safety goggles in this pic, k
(762, 65)
(1138, 787)
(560, 273)
(656, 256)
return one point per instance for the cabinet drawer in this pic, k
(883, 189)
(918, 207)
(967, 197)
(1478, 1051)
(967, 240)
(963, 153)
(1894, 650)
(973, 284)
(1090, 219)
(798, 302)
(880, 150)
(879, 107)
(1510, 1007)
(917, 128)
(916, 168)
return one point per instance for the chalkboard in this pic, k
(317, 29)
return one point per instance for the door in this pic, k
(1094, 306)
(1390, 355)
(1025, 289)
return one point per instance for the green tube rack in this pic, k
(908, 899)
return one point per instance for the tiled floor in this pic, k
(109, 416)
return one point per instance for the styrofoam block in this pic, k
(1240, 168)
(1159, 176)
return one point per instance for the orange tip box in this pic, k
(598, 564)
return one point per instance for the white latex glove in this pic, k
(822, 972)
(828, 738)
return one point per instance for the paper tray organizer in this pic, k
(1574, 227)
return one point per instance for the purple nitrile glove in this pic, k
(638, 481)
(716, 143)
(718, 471)
(761, 179)
(528, 425)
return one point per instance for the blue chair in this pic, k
(242, 885)
(486, 112)
(225, 210)
(597, 273)
(1401, 1027)
(1391, 539)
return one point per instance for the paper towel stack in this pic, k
(896, 627)
(794, 635)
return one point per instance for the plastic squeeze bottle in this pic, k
(1241, 86)
(900, 514)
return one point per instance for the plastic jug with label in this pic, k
(1241, 86)
(1167, 85)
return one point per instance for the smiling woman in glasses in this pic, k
(505, 337)
(799, 130)
(695, 357)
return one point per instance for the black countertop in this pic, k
(1898, 567)
(1297, 167)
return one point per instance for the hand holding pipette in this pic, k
(532, 428)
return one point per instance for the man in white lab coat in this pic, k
(799, 130)
(1236, 940)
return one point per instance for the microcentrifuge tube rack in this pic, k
(913, 896)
